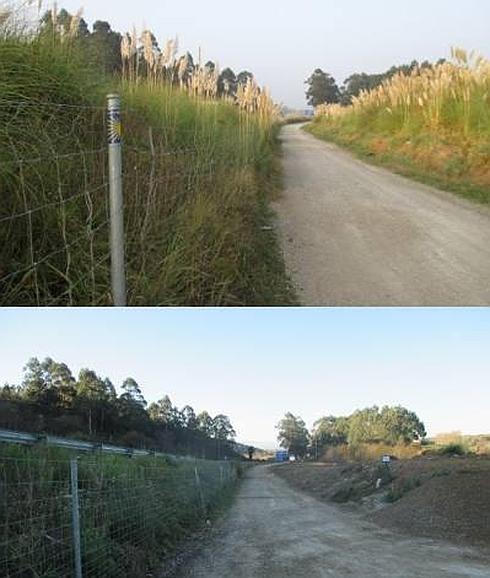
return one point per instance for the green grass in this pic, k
(134, 512)
(196, 192)
(451, 158)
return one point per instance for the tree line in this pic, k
(322, 87)
(101, 48)
(373, 425)
(50, 399)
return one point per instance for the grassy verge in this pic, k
(437, 160)
(198, 174)
(432, 124)
(133, 512)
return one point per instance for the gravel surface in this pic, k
(355, 234)
(274, 531)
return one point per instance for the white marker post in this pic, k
(114, 127)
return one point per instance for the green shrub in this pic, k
(453, 449)
(399, 489)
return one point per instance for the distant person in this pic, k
(251, 451)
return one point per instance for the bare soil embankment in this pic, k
(435, 497)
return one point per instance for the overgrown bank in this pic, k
(133, 512)
(432, 124)
(198, 174)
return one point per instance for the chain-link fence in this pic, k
(100, 515)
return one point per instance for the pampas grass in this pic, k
(433, 123)
(166, 67)
(461, 85)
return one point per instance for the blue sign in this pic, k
(282, 456)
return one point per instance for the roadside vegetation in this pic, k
(199, 159)
(427, 121)
(134, 513)
(381, 460)
(366, 433)
(51, 400)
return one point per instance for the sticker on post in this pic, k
(114, 124)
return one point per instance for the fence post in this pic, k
(118, 274)
(75, 517)
(199, 489)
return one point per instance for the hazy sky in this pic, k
(283, 41)
(255, 365)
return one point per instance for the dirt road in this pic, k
(355, 234)
(274, 531)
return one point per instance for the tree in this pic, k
(365, 427)
(105, 47)
(61, 379)
(401, 425)
(293, 435)
(222, 428)
(244, 77)
(162, 412)
(94, 396)
(132, 392)
(205, 423)
(189, 417)
(227, 83)
(51, 400)
(330, 430)
(322, 89)
(37, 385)
(391, 425)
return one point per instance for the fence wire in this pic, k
(54, 206)
(132, 512)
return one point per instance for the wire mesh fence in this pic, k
(131, 512)
(55, 209)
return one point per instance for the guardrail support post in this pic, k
(114, 127)
(75, 518)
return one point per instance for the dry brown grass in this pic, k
(369, 452)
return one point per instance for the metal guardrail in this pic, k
(14, 437)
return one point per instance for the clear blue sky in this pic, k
(254, 365)
(282, 41)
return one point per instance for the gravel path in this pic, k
(354, 234)
(273, 531)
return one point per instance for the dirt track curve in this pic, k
(273, 531)
(355, 234)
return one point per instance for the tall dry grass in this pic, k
(432, 123)
(197, 172)
(144, 61)
(369, 452)
(453, 94)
